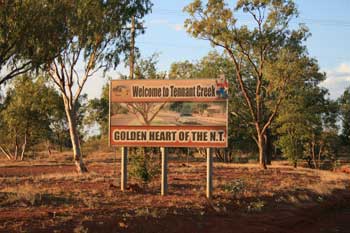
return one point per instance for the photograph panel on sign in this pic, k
(169, 114)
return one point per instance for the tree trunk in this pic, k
(24, 146)
(48, 145)
(60, 142)
(7, 153)
(309, 161)
(313, 156)
(295, 164)
(77, 155)
(16, 147)
(262, 160)
(319, 157)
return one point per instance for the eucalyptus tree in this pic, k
(299, 122)
(213, 65)
(97, 35)
(26, 115)
(98, 108)
(98, 111)
(344, 102)
(267, 54)
(30, 30)
(182, 70)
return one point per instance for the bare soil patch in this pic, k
(52, 198)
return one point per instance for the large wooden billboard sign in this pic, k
(168, 113)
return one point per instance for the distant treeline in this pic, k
(277, 109)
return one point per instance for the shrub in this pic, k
(256, 206)
(235, 187)
(142, 167)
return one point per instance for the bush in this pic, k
(236, 187)
(142, 167)
(256, 206)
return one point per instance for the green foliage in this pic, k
(98, 29)
(306, 125)
(96, 38)
(98, 108)
(344, 102)
(27, 113)
(146, 68)
(32, 112)
(58, 123)
(98, 111)
(182, 70)
(268, 56)
(210, 66)
(256, 206)
(30, 32)
(292, 147)
(236, 187)
(142, 167)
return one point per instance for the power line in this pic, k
(186, 46)
(242, 17)
(179, 46)
(162, 45)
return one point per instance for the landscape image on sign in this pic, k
(169, 114)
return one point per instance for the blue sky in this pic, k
(328, 21)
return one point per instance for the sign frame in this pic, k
(206, 144)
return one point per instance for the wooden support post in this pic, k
(209, 172)
(164, 182)
(124, 168)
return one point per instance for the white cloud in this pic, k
(337, 80)
(344, 68)
(175, 26)
(178, 27)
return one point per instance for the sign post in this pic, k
(209, 172)
(168, 113)
(124, 168)
(164, 182)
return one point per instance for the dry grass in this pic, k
(27, 193)
(329, 182)
(237, 187)
(327, 176)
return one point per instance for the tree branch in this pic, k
(17, 71)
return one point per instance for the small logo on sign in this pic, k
(120, 91)
(222, 87)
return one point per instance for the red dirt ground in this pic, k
(93, 203)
